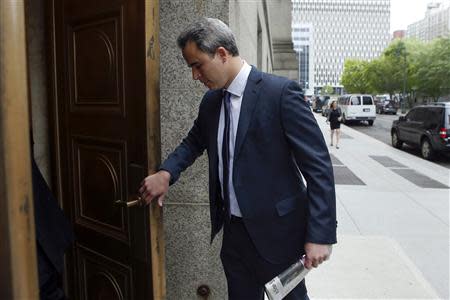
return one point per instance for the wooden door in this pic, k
(101, 144)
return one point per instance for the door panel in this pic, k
(102, 277)
(100, 96)
(410, 126)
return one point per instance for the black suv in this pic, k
(386, 107)
(425, 126)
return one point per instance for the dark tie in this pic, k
(226, 150)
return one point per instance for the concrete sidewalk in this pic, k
(393, 231)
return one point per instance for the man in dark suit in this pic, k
(261, 137)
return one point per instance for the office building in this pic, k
(435, 24)
(327, 32)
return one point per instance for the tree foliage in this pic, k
(407, 65)
(327, 90)
(433, 72)
(355, 76)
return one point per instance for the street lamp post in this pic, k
(405, 74)
(402, 51)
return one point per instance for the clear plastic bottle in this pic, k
(281, 285)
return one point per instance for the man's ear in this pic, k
(222, 53)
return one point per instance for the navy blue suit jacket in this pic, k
(53, 231)
(277, 138)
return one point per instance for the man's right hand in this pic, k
(155, 186)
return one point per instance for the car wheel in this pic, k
(370, 122)
(344, 121)
(426, 149)
(396, 143)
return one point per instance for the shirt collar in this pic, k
(238, 84)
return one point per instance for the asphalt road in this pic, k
(381, 130)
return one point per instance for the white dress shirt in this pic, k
(236, 89)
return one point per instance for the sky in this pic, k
(405, 12)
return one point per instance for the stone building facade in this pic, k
(435, 24)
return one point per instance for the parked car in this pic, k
(308, 99)
(357, 107)
(426, 127)
(317, 105)
(326, 107)
(386, 107)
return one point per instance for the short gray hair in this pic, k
(209, 34)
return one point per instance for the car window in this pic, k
(367, 100)
(434, 117)
(421, 115)
(447, 113)
(411, 115)
(356, 100)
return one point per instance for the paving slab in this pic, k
(368, 267)
(393, 231)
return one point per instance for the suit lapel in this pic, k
(249, 100)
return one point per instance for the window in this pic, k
(367, 100)
(356, 100)
(434, 117)
(411, 116)
(421, 114)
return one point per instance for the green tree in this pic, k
(396, 70)
(355, 76)
(382, 76)
(433, 69)
(327, 90)
(406, 66)
(396, 64)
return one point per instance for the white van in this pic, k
(357, 107)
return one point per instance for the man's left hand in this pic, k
(316, 254)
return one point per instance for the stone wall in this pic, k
(190, 259)
(37, 65)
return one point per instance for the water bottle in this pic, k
(281, 285)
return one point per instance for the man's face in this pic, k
(211, 71)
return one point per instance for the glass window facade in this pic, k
(337, 30)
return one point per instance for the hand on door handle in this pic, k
(135, 202)
(155, 186)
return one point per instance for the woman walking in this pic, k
(334, 117)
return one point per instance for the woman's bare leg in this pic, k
(338, 135)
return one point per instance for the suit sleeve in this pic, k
(311, 154)
(192, 146)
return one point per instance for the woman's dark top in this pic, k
(333, 118)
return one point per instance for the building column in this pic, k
(285, 60)
(18, 272)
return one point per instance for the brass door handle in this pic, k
(131, 203)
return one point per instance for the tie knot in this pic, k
(226, 95)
